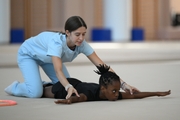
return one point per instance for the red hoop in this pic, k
(7, 103)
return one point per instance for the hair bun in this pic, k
(102, 68)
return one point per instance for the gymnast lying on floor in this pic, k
(107, 89)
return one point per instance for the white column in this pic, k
(4, 21)
(118, 17)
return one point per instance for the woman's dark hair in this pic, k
(74, 23)
(107, 77)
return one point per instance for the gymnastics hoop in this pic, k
(7, 103)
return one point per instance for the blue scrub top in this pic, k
(47, 44)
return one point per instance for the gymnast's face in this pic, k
(75, 38)
(112, 91)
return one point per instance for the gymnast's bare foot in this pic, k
(164, 93)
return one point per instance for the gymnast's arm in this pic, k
(73, 99)
(140, 95)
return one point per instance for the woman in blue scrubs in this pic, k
(50, 50)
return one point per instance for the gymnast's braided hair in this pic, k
(107, 77)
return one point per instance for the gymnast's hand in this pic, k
(70, 91)
(130, 89)
(73, 99)
(64, 101)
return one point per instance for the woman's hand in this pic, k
(129, 89)
(70, 91)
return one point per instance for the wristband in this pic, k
(68, 86)
(122, 84)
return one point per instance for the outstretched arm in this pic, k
(140, 95)
(72, 99)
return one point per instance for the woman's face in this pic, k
(75, 38)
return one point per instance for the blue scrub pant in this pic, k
(32, 86)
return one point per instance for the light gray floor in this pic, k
(154, 75)
(145, 76)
